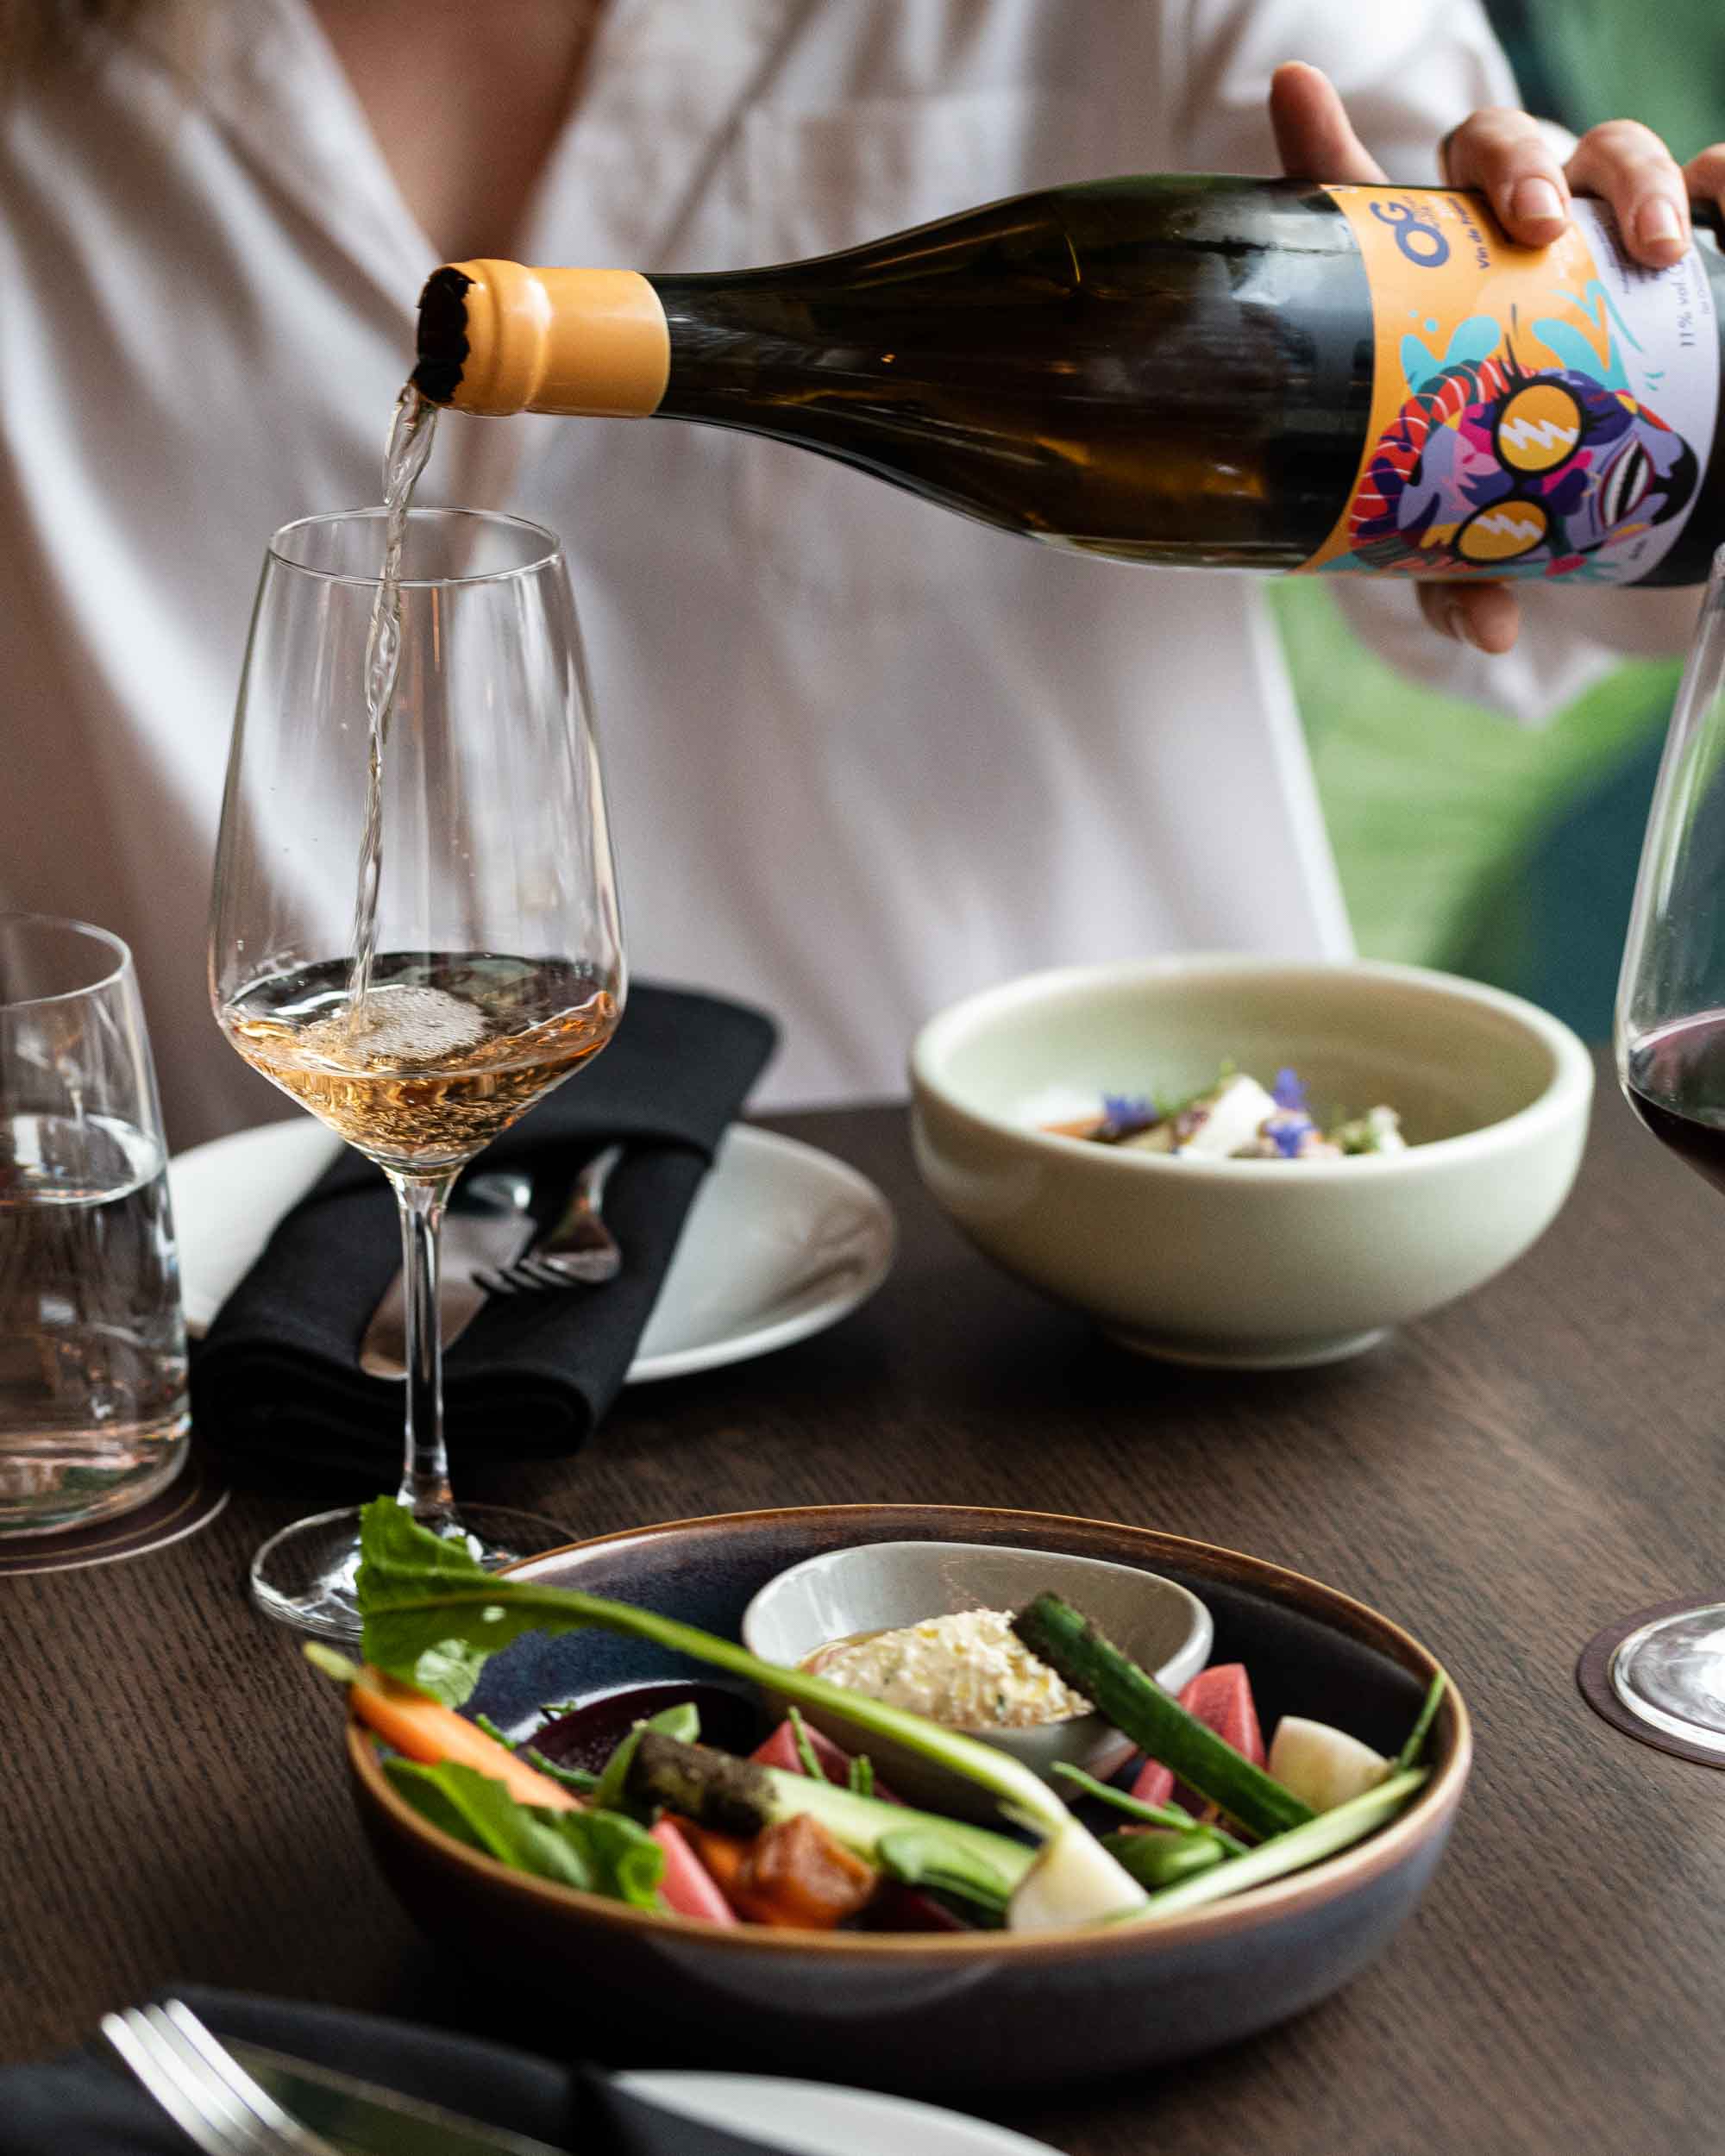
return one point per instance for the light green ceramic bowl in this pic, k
(1257, 1264)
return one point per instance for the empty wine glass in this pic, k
(487, 912)
(1671, 1059)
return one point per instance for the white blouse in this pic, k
(863, 756)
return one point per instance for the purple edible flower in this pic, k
(1290, 1131)
(1288, 1092)
(1123, 1115)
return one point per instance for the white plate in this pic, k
(780, 1242)
(812, 2118)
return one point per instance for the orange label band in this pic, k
(1535, 411)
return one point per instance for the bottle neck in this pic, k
(498, 337)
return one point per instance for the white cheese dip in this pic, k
(969, 1670)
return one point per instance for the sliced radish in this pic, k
(687, 1886)
(781, 1749)
(1323, 1765)
(1073, 1881)
(1220, 1697)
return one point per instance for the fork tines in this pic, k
(203, 2088)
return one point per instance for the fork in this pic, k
(203, 2088)
(581, 1250)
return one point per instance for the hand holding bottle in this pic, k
(1506, 156)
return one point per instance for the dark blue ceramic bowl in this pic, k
(933, 2009)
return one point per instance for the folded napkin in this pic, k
(278, 1376)
(87, 2104)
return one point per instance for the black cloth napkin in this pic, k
(87, 2104)
(278, 1376)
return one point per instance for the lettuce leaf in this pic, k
(601, 1853)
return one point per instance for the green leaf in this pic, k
(682, 1722)
(1159, 1857)
(917, 1858)
(600, 1853)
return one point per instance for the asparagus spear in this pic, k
(1154, 1720)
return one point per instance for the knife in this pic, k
(371, 2122)
(487, 1225)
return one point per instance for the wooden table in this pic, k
(1502, 1479)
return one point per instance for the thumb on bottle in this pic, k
(1313, 134)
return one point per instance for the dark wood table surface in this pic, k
(1502, 1479)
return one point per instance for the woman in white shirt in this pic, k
(863, 757)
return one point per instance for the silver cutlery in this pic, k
(581, 1250)
(366, 2120)
(203, 2088)
(487, 1224)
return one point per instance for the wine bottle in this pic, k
(1193, 370)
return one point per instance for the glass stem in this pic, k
(425, 1474)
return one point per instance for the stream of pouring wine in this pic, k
(410, 435)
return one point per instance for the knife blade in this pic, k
(487, 1225)
(367, 2120)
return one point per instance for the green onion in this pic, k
(576, 1778)
(1409, 1754)
(812, 1766)
(1170, 1815)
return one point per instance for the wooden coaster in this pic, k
(1593, 1675)
(190, 1500)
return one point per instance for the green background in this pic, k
(1464, 840)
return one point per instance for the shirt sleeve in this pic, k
(1408, 71)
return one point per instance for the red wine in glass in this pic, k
(1675, 1081)
(1669, 1671)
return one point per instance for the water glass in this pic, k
(94, 1413)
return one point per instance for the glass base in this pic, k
(305, 1575)
(75, 1481)
(1670, 1673)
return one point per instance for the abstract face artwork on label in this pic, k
(1491, 466)
(1535, 411)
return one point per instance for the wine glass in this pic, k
(487, 907)
(1671, 1062)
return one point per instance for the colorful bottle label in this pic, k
(1535, 411)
